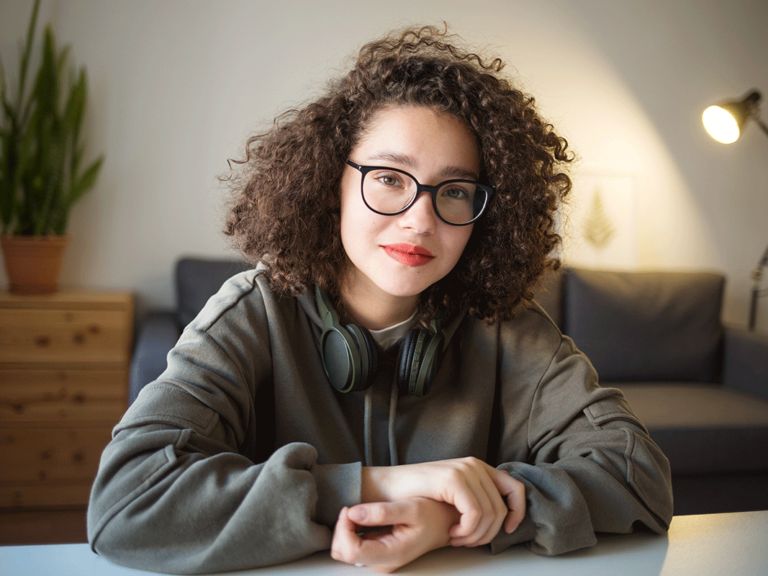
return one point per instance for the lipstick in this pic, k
(409, 254)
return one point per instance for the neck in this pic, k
(374, 309)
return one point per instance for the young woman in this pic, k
(381, 384)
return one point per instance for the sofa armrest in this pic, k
(745, 361)
(158, 334)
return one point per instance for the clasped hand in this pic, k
(461, 502)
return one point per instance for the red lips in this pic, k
(409, 254)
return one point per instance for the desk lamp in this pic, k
(724, 123)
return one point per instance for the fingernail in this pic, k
(358, 513)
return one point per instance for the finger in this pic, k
(382, 513)
(514, 492)
(368, 550)
(345, 545)
(503, 481)
(468, 504)
(493, 509)
(345, 527)
(517, 507)
(499, 513)
(385, 550)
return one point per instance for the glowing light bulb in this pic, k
(720, 124)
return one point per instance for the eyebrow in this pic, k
(448, 172)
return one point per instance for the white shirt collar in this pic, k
(387, 337)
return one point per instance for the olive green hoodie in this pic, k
(242, 454)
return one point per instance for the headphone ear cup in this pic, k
(415, 382)
(341, 358)
(369, 359)
(430, 362)
(419, 359)
(348, 352)
(373, 354)
(404, 360)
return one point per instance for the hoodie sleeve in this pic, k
(190, 482)
(591, 465)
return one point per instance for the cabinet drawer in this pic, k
(62, 395)
(57, 336)
(41, 495)
(41, 456)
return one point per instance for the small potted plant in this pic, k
(41, 153)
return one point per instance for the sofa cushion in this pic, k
(662, 326)
(702, 428)
(198, 279)
(549, 294)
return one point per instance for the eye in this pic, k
(388, 179)
(455, 193)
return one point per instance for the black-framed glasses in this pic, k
(389, 191)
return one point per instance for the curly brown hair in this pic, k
(286, 204)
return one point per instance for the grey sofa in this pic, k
(700, 387)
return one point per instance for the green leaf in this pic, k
(86, 181)
(9, 111)
(3, 86)
(27, 49)
(75, 107)
(73, 118)
(46, 91)
(61, 60)
(40, 148)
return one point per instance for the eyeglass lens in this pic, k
(389, 191)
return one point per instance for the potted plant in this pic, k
(41, 153)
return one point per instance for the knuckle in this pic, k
(472, 462)
(454, 475)
(473, 516)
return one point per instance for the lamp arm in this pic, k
(762, 125)
(757, 275)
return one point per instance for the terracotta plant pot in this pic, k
(33, 263)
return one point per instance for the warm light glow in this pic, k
(720, 125)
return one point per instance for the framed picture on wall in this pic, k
(598, 223)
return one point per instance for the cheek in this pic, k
(347, 211)
(459, 239)
(357, 222)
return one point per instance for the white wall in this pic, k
(177, 85)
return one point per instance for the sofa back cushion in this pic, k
(646, 326)
(197, 279)
(549, 294)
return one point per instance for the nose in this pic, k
(420, 217)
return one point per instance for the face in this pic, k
(397, 257)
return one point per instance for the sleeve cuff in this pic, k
(525, 532)
(338, 485)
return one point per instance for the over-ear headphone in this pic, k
(350, 356)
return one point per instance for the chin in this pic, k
(404, 289)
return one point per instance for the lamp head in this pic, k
(725, 121)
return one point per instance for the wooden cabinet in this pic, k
(64, 362)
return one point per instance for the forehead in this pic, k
(420, 137)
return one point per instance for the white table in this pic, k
(711, 544)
